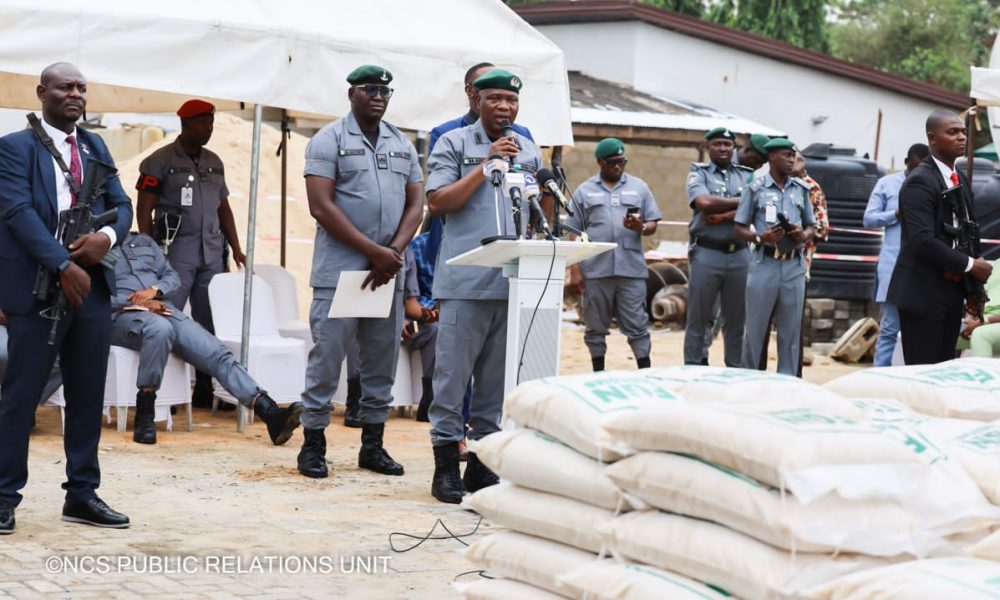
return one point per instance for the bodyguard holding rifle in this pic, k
(37, 183)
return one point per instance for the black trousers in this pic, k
(930, 336)
(82, 345)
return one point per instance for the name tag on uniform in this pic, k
(351, 152)
(616, 200)
(771, 213)
(187, 196)
(382, 161)
(472, 160)
(396, 154)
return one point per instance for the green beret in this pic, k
(758, 141)
(498, 79)
(779, 144)
(720, 132)
(609, 147)
(369, 74)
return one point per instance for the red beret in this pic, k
(193, 108)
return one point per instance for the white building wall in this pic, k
(784, 96)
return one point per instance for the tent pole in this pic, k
(283, 149)
(258, 113)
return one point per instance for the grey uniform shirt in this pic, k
(456, 153)
(141, 264)
(370, 189)
(600, 212)
(192, 188)
(793, 201)
(711, 180)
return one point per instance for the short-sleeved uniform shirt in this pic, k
(793, 201)
(370, 188)
(708, 179)
(456, 153)
(194, 188)
(601, 211)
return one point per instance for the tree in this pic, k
(801, 23)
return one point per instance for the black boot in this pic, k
(351, 418)
(281, 422)
(144, 431)
(203, 393)
(477, 475)
(372, 455)
(598, 363)
(425, 400)
(447, 483)
(643, 362)
(312, 456)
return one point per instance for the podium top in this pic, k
(502, 252)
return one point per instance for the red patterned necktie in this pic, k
(75, 167)
(954, 178)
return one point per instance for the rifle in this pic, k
(786, 244)
(73, 223)
(967, 242)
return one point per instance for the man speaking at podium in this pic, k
(472, 328)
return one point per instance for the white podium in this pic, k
(536, 269)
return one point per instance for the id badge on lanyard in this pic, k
(187, 196)
(616, 200)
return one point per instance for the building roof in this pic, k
(589, 11)
(600, 102)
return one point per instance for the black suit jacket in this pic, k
(919, 280)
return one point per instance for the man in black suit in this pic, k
(34, 188)
(926, 283)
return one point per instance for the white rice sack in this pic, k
(612, 580)
(987, 548)
(717, 384)
(502, 589)
(965, 388)
(526, 558)
(556, 518)
(534, 460)
(810, 450)
(694, 488)
(723, 558)
(571, 408)
(929, 579)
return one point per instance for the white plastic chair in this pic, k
(277, 363)
(286, 302)
(120, 390)
(406, 387)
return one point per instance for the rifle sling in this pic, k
(50, 145)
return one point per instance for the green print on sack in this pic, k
(985, 439)
(613, 393)
(951, 374)
(806, 416)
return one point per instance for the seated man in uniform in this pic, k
(143, 321)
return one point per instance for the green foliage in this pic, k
(800, 22)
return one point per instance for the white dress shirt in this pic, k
(64, 196)
(946, 172)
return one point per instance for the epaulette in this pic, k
(756, 184)
(743, 168)
(696, 166)
(801, 182)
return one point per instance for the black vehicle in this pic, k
(986, 187)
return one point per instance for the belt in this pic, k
(772, 252)
(727, 247)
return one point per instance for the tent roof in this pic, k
(148, 56)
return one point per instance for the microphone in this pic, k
(495, 168)
(514, 181)
(547, 179)
(532, 192)
(507, 131)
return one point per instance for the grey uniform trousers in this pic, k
(716, 277)
(625, 299)
(471, 341)
(154, 337)
(378, 340)
(426, 342)
(778, 287)
(195, 276)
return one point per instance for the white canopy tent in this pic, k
(149, 56)
(986, 90)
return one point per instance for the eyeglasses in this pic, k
(616, 162)
(371, 89)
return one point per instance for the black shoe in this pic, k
(643, 363)
(281, 422)
(598, 363)
(6, 518)
(144, 429)
(372, 455)
(352, 410)
(446, 485)
(425, 400)
(93, 512)
(312, 456)
(203, 393)
(477, 475)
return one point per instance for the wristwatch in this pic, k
(62, 266)
(756, 238)
(156, 289)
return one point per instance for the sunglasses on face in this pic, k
(616, 162)
(370, 90)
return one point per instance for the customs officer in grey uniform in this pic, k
(777, 277)
(143, 320)
(185, 184)
(718, 259)
(752, 155)
(472, 326)
(614, 207)
(365, 190)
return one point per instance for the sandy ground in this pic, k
(214, 493)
